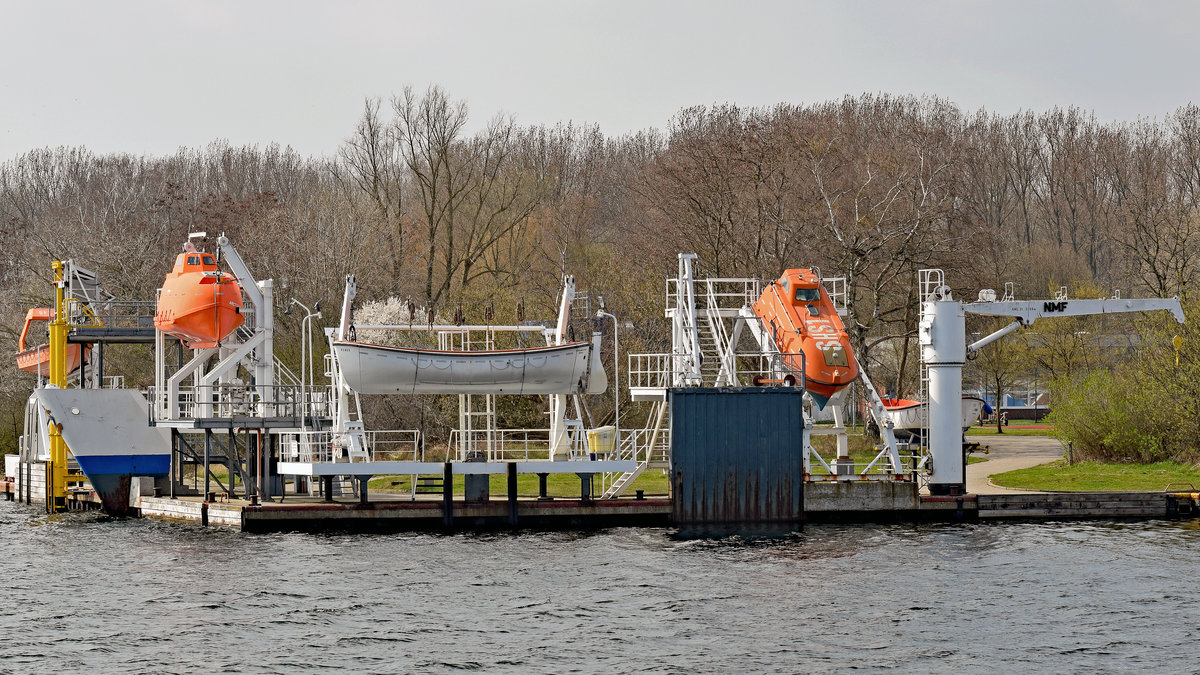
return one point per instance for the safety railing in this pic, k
(644, 445)
(397, 445)
(111, 313)
(502, 445)
(662, 371)
(650, 371)
(224, 401)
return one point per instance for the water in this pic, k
(82, 591)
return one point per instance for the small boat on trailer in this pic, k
(908, 416)
(379, 369)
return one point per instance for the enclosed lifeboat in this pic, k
(36, 360)
(198, 303)
(798, 314)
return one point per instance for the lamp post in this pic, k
(616, 370)
(306, 342)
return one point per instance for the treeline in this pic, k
(872, 188)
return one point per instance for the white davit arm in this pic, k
(1028, 311)
(343, 331)
(885, 424)
(564, 310)
(242, 272)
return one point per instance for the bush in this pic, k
(1146, 410)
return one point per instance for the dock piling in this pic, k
(448, 495)
(512, 494)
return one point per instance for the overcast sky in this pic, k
(149, 77)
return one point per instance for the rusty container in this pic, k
(737, 456)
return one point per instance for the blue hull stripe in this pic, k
(133, 465)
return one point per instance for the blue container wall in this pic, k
(737, 455)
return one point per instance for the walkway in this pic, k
(1009, 453)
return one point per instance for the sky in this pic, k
(151, 77)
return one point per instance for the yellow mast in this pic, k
(56, 493)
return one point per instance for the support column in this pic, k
(174, 467)
(944, 348)
(448, 495)
(208, 441)
(512, 494)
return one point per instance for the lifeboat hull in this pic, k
(378, 369)
(801, 319)
(197, 303)
(908, 417)
(37, 359)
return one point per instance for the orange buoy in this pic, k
(198, 303)
(800, 317)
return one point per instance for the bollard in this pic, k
(512, 494)
(448, 495)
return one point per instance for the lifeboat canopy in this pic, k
(198, 303)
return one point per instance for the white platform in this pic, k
(459, 468)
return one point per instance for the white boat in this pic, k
(379, 369)
(909, 416)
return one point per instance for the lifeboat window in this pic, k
(209, 260)
(807, 294)
(193, 260)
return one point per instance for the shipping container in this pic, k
(737, 455)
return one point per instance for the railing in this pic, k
(650, 371)
(836, 288)
(730, 292)
(771, 369)
(501, 445)
(712, 310)
(660, 371)
(398, 445)
(242, 400)
(644, 445)
(111, 314)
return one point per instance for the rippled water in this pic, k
(86, 592)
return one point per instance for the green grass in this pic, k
(652, 481)
(1011, 430)
(1100, 477)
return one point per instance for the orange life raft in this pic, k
(36, 360)
(197, 303)
(798, 314)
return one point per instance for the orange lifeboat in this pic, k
(36, 360)
(797, 312)
(198, 304)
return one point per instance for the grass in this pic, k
(1011, 430)
(1100, 477)
(652, 482)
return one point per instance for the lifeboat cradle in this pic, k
(717, 340)
(468, 363)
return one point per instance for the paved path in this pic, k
(1009, 453)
